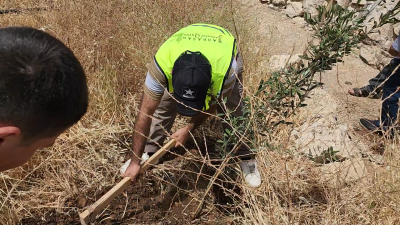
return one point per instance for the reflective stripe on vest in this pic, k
(216, 43)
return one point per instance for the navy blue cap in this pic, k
(191, 79)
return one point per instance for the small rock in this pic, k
(374, 56)
(300, 21)
(310, 6)
(387, 45)
(396, 29)
(344, 3)
(280, 61)
(81, 202)
(377, 12)
(322, 131)
(382, 34)
(351, 170)
(211, 220)
(362, 2)
(390, 4)
(367, 55)
(382, 60)
(278, 2)
(294, 9)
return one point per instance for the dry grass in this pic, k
(114, 40)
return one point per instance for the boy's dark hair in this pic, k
(43, 88)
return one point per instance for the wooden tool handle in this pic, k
(156, 156)
(90, 213)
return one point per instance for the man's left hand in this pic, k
(181, 136)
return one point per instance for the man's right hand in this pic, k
(133, 171)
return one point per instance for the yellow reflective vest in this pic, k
(216, 43)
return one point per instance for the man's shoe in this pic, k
(372, 125)
(145, 157)
(124, 167)
(250, 172)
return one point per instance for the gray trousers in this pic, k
(165, 115)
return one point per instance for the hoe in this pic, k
(89, 215)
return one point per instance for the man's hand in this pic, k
(393, 52)
(181, 136)
(133, 170)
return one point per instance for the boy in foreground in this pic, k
(43, 92)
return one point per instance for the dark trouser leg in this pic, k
(375, 84)
(390, 99)
(390, 106)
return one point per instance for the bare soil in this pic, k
(162, 196)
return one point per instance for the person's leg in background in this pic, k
(389, 107)
(375, 84)
(390, 103)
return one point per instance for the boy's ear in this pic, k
(8, 131)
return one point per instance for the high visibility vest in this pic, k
(216, 43)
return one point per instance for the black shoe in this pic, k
(372, 125)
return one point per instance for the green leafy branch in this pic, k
(337, 32)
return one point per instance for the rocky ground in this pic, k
(328, 126)
(374, 50)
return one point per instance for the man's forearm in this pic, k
(393, 52)
(142, 130)
(142, 126)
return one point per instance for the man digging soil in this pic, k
(191, 73)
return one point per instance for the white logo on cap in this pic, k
(189, 93)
